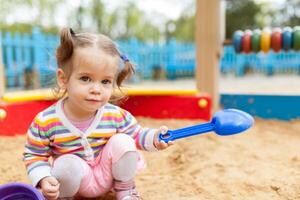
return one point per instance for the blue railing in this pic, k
(28, 53)
(269, 64)
(35, 52)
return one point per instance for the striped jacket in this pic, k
(51, 134)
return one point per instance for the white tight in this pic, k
(69, 171)
(125, 168)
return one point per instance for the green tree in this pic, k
(45, 10)
(291, 13)
(241, 14)
(130, 21)
(183, 29)
(98, 13)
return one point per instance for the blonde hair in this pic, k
(69, 40)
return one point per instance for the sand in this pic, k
(262, 163)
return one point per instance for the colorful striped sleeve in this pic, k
(144, 137)
(36, 152)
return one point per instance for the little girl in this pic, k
(83, 146)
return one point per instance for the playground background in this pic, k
(29, 60)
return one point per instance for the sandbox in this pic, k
(261, 163)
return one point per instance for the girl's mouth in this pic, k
(94, 100)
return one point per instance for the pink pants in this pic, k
(97, 179)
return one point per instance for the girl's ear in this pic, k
(61, 78)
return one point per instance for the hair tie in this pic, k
(124, 58)
(72, 32)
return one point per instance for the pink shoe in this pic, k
(126, 190)
(131, 194)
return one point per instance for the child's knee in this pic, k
(122, 140)
(68, 164)
(120, 144)
(69, 171)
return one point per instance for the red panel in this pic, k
(178, 107)
(20, 115)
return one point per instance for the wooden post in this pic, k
(208, 48)
(2, 75)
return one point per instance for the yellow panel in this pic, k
(47, 94)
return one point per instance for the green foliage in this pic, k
(241, 15)
(98, 12)
(129, 21)
(148, 32)
(45, 10)
(184, 29)
(18, 27)
(26, 28)
(290, 13)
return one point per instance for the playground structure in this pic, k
(269, 63)
(267, 51)
(255, 41)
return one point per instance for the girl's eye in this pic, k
(106, 81)
(85, 78)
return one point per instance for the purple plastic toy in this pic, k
(19, 191)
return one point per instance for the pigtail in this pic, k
(63, 55)
(65, 49)
(125, 73)
(119, 97)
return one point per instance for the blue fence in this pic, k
(268, 64)
(176, 59)
(26, 53)
(29, 53)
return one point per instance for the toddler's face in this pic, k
(90, 85)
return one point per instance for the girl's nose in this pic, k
(96, 88)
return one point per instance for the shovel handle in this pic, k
(172, 135)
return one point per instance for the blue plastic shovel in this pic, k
(225, 122)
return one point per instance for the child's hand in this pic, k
(50, 187)
(160, 145)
